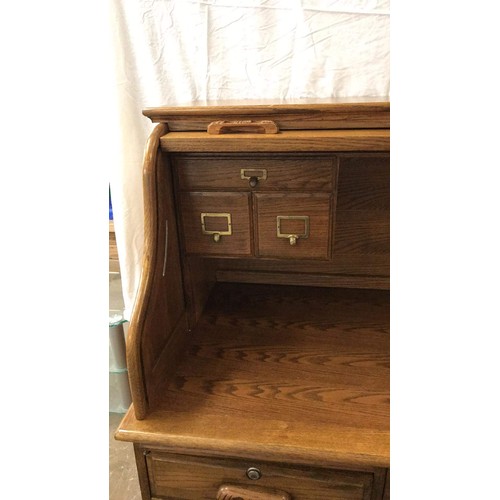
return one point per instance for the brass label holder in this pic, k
(216, 234)
(292, 237)
(244, 173)
(253, 179)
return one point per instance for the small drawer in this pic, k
(216, 223)
(301, 173)
(294, 226)
(196, 478)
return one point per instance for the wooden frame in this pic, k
(175, 286)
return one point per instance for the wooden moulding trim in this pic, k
(305, 279)
(291, 140)
(270, 106)
(290, 122)
(368, 112)
(136, 330)
(226, 449)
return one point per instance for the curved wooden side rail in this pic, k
(150, 256)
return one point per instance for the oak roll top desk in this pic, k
(258, 350)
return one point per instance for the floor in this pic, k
(123, 481)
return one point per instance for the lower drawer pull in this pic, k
(292, 237)
(237, 492)
(216, 233)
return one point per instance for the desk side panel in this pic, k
(158, 325)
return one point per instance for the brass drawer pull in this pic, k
(216, 234)
(292, 237)
(249, 173)
(242, 126)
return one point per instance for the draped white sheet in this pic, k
(170, 52)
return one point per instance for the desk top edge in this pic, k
(276, 106)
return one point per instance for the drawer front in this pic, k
(294, 226)
(194, 478)
(301, 173)
(216, 223)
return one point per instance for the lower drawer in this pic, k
(293, 225)
(195, 478)
(216, 223)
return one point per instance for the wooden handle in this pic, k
(242, 126)
(235, 492)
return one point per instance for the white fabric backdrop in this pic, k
(170, 52)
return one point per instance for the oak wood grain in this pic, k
(342, 265)
(237, 492)
(167, 356)
(287, 373)
(315, 206)
(292, 140)
(200, 278)
(303, 279)
(361, 232)
(294, 379)
(236, 205)
(329, 113)
(362, 214)
(159, 305)
(199, 478)
(283, 172)
(364, 183)
(139, 314)
(142, 472)
(166, 323)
